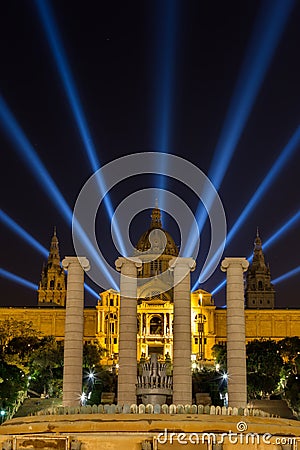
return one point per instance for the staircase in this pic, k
(275, 407)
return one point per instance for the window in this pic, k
(155, 267)
(156, 325)
(200, 317)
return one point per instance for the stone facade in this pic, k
(269, 324)
(155, 305)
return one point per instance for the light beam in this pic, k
(283, 158)
(166, 27)
(13, 226)
(266, 34)
(279, 233)
(166, 31)
(282, 230)
(16, 228)
(291, 147)
(25, 150)
(59, 55)
(219, 287)
(91, 291)
(287, 275)
(16, 279)
(270, 241)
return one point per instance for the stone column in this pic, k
(73, 346)
(182, 343)
(127, 377)
(236, 336)
(165, 323)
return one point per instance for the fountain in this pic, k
(154, 384)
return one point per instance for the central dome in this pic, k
(156, 239)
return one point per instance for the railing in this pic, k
(154, 409)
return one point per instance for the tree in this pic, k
(46, 366)
(17, 342)
(11, 328)
(91, 355)
(19, 350)
(289, 349)
(219, 352)
(14, 381)
(264, 365)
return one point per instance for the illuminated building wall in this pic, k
(155, 309)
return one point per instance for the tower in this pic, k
(260, 292)
(155, 289)
(153, 292)
(52, 287)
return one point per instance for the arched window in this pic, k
(111, 323)
(156, 325)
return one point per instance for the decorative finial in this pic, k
(155, 218)
(54, 231)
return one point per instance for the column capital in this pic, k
(80, 260)
(134, 261)
(234, 262)
(185, 263)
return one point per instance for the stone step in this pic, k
(275, 407)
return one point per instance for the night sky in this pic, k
(129, 60)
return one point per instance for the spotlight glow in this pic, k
(282, 230)
(286, 154)
(35, 165)
(291, 147)
(287, 275)
(91, 291)
(279, 233)
(266, 34)
(16, 279)
(166, 26)
(12, 225)
(31, 159)
(219, 287)
(265, 37)
(272, 239)
(55, 43)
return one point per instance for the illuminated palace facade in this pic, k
(155, 305)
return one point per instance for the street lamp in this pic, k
(2, 413)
